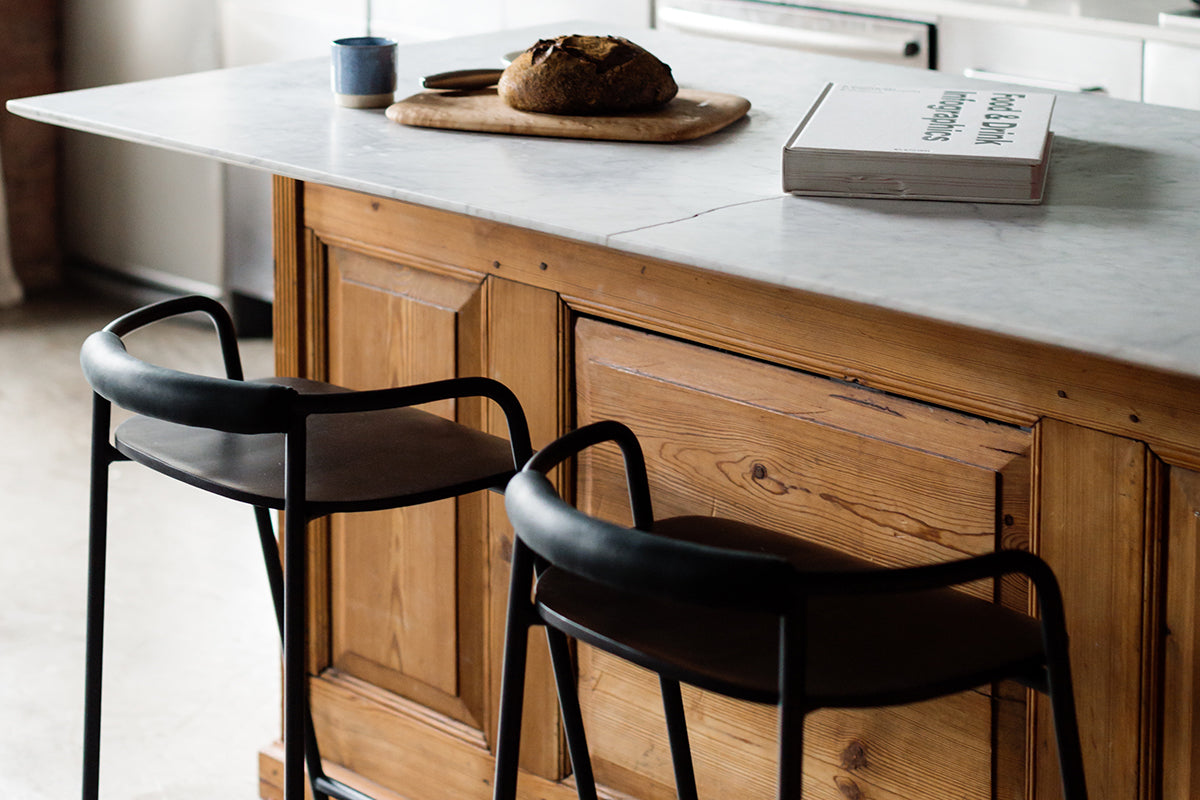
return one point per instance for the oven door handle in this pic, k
(893, 46)
(1025, 80)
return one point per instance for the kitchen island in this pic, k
(909, 380)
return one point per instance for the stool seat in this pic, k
(356, 462)
(866, 649)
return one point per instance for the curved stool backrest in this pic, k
(633, 559)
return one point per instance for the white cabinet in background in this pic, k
(408, 21)
(1172, 75)
(1041, 57)
(518, 13)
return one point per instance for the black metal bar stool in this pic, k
(757, 615)
(307, 448)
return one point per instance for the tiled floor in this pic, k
(192, 665)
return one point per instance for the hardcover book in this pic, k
(976, 145)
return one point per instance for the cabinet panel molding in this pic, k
(1100, 530)
(525, 355)
(395, 580)
(1181, 628)
(888, 479)
(402, 744)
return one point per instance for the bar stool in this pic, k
(756, 615)
(303, 447)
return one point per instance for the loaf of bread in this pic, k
(586, 75)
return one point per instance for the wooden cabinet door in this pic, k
(395, 578)
(409, 603)
(1101, 514)
(1181, 683)
(400, 639)
(885, 478)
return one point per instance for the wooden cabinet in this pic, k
(407, 604)
(895, 437)
(1181, 638)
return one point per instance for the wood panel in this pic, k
(373, 737)
(394, 575)
(888, 479)
(526, 343)
(418, 595)
(290, 327)
(735, 756)
(1181, 683)
(895, 481)
(1099, 530)
(300, 347)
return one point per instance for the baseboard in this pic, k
(252, 316)
(139, 286)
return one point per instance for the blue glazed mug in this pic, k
(364, 71)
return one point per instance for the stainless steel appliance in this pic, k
(834, 28)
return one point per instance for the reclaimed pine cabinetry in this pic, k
(899, 438)
(899, 482)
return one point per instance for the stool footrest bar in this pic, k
(339, 790)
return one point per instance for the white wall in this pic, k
(125, 206)
(184, 221)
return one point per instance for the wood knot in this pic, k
(854, 756)
(847, 787)
(759, 472)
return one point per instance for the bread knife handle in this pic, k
(462, 79)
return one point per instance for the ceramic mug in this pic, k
(364, 71)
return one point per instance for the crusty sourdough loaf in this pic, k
(586, 75)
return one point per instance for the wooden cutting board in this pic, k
(690, 115)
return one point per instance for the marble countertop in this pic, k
(1108, 264)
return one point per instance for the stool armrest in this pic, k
(574, 442)
(226, 336)
(418, 394)
(935, 576)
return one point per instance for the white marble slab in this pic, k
(1108, 264)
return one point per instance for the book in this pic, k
(974, 145)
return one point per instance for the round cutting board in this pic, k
(692, 114)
